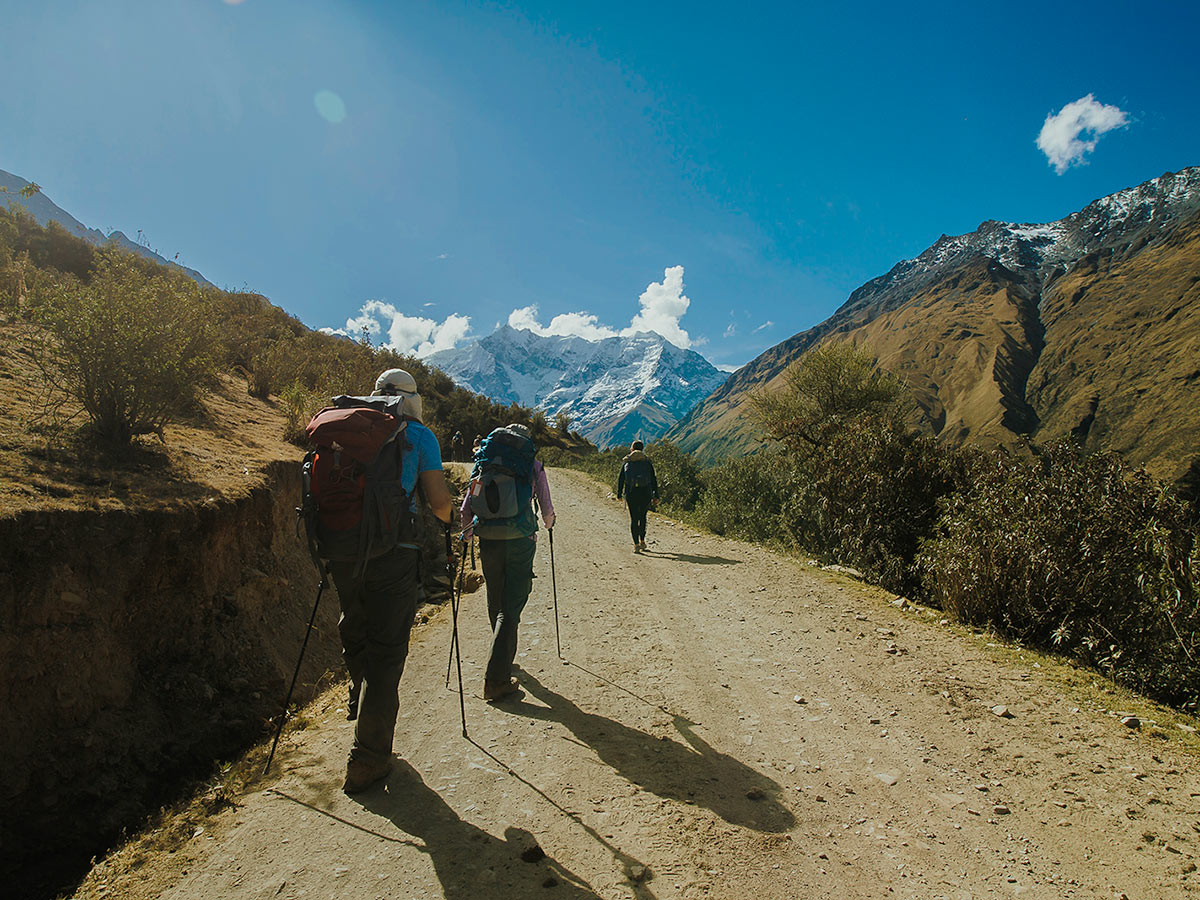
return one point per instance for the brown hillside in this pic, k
(1105, 347)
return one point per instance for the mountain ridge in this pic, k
(44, 210)
(614, 390)
(978, 326)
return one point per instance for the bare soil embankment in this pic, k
(726, 723)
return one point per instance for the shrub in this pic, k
(871, 497)
(132, 348)
(747, 497)
(1078, 554)
(826, 388)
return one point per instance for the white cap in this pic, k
(394, 381)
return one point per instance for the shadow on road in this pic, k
(469, 862)
(690, 558)
(693, 771)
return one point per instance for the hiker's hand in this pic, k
(549, 519)
(654, 502)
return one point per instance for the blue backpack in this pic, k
(501, 488)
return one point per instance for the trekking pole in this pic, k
(454, 608)
(554, 587)
(462, 703)
(295, 675)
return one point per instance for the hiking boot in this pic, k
(636, 547)
(641, 545)
(362, 774)
(498, 690)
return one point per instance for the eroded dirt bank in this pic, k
(135, 650)
(726, 723)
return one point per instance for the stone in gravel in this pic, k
(799, 699)
(755, 794)
(1001, 810)
(900, 602)
(1131, 721)
(637, 873)
(887, 779)
(1002, 711)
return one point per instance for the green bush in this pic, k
(872, 498)
(132, 348)
(747, 497)
(1077, 554)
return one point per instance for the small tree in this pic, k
(825, 389)
(131, 347)
(562, 422)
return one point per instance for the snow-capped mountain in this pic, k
(1086, 327)
(614, 390)
(44, 211)
(1111, 222)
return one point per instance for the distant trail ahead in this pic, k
(728, 724)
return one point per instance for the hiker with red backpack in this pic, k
(372, 458)
(498, 508)
(640, 486)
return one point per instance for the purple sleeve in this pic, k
(541, 487)
(465, 516)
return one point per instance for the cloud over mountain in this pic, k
(1070, 134)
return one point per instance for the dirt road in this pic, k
(726, 723)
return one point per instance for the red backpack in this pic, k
(355, 507)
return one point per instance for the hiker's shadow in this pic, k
(469, 862)
(692, 771)
(691, 558)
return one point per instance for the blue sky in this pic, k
(439, 168)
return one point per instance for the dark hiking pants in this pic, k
(638, 499)
(377, 617)
(508, 576)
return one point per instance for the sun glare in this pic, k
(330, 106)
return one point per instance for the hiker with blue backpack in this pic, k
(373, 458)
(640, 486)
(498, 508)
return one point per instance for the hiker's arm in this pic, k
(620, 482)
(465, 516)
(437, 493)
(541, 488)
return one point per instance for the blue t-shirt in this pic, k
(425, 456)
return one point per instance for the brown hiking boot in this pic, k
(362, 774)
(641, 545)
(498, 690)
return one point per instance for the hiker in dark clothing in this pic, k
(379, 598)
(506, 542)
(640, 486)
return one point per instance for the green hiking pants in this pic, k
(378, 608)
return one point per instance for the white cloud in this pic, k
(726, 368)
(413, 335)
(730, 330)
(577, 324)
(763, 326)
(1069, 135)
(662, 304)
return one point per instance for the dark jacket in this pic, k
(637, 472)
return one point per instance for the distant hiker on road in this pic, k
(640, 486)
(372, 455)
(498, 508)
(475, 446)
(456, 447)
